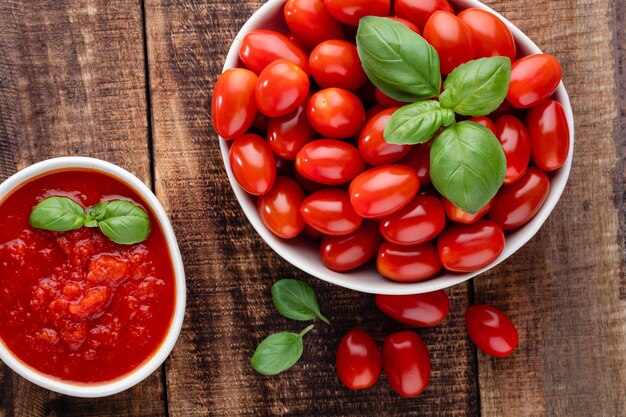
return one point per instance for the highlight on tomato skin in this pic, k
(418, 222)
(491, 35)
(329, 161)
(311, 23)
(281, 88)
(491, 330)
(345, 253)
(423, 310)
(336, 113)
(279, 209)
(358, 360)
(470, 247)
(408, 263)
(261, 47)
(253, 164)
(330, 212)
(533, 80)
(336, 63)
(233, 108)
(549, 135)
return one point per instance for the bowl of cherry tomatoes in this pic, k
(302, 136)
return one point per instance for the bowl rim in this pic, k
(159, 356)
(264, 15)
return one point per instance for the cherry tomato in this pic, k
(485, 121)
(419, 159)
(427, 309)
(343, 253)
(420, 221)
(336, 113)
(491, 330)
(406, 362)
(383, 190)
(336, 63)
(329, 211)
(287, 134)
(491, 36)
(372, 145)
(451, 38)
(234, 108)
(262, 47)
(329, 161)
(458, 215)
(253, 164)
(408, 263)
(351, 11)
(406, 23)
(419, 11)
(515, 141)
(310, 22)
(358, 360)
(469, 247)
(533, 80)
(373, 111)
(549, 135)
(281, 89)
(384, 100)
(516, 204)
(280, 208)
(309, 185)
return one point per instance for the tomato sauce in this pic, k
(74, 305)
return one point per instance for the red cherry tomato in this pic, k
(406, 23)
(329, 161)
(406, 363)
(234, 107)
(344, 253)
(419, 11)
(281, 89)
(383, 190)
(309, 185)
(336, 113)
(262, 47)
(515, 141)
(420, 221)
(458, 215)
(386, 101)
(469, 247)
(516, 204)
(484, 121)
(373, 111)
(280, 208)
(549, 135)
(491, 330)
(287, 134)
(419, 159)
(310, 22)
(253, 164)
(329, 211)
(451, 38)
(533, 80)
(372, 145)
(358, 360)
(491, 36)
(351, 11)
(336, 63)
(408, 263)
(427, 309)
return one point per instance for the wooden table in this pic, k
(130, 81)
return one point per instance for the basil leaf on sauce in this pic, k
(121, 221)
(58, 214)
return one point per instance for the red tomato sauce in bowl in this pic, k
(74, 305)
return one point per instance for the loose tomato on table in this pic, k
(351, 11)
(279, 209)
(549, 135)
(406, 363)
(419, 11)
(515, 141)
(460, 216)
(427, 309)
(420, 221)
(329, 161)
(372, 145)
(253, 164)
(282, 87)
(336, 113)
(408, 263)
(452, 39)
(287, 134)
(344, 253)
(491, 330)
(311, 23)
(336, 63)
(533, 80)
(358, 362)
(329, 211)
(233, 108)
(491, 35)
(470, 247)
(262, 47)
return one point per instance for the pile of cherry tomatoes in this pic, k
(306, 130)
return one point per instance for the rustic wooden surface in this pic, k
(130, 81)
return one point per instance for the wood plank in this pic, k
(73, 83)
(565, 288)
(230, 269)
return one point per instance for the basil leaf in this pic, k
(477, 87)
(296, 300)
(121, 221)
(278, 352)
(397, 60)
(417, 123)
(58, 214)
(467, 165)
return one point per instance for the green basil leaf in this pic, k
(477, 87)
(467, 165)
(278, 352)
(296, 300)
(58, 214)
(397, 60)
(417, 123)
(122, 221)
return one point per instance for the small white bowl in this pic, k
(143, 371)
(304, 254)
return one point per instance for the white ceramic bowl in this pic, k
(143, 371)
(305, 255)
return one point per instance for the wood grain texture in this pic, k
(565, 289)
(230, 270)
(72, 82)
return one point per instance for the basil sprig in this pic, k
(417, 122)
(296, 300)
(121, 221)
